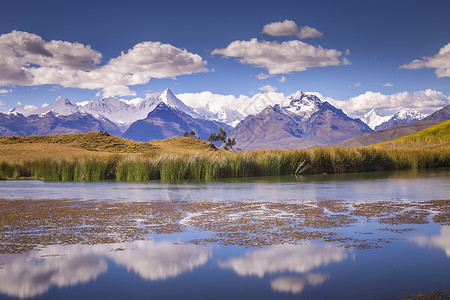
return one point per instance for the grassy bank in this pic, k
(100, 156)
(211, 165)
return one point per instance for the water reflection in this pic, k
(295, 285)
(441, 241)
(283, 258)
(34, 273)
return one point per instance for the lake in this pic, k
(381, 235)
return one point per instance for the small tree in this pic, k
(186, 134)
(222, 137)
(192, 133)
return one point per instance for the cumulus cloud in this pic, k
(262, 76)
(357, 84)
(4, 91)
(282, 79)
(425, 102)
(308, 32)
(289, 27)
(217, 103)
(281, 58)
(388, 84)
(440, 62)
(26, 59)
(267, 88)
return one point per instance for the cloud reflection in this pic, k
(34, 273)
(283, 258)
(295, 285)
(441, 241)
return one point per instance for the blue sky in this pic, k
(380, 36)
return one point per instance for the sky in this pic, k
(355, 54)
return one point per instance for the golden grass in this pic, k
(434, 136)
(98, 156)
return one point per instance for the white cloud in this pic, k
(267, 88)
(282, 79)
(357, 84)
(4, 91)
(281, 58)
(306, 32)
(26, 59)
(425, 102)
(388, 84)
(289, 27)
(19, 103)
(262, 76)
(245, 105)
(30, 107)
(440, 62)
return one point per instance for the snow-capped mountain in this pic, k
(61, 106)
(111, 108)
(228, 116)
(167, 121)
(122, 113)
(301, 104)
(403, 117)
(150, 102)
(373, 118)
(302, 120)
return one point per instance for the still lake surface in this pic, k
(401, 259)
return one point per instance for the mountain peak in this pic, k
(300, 102)
(62, 100)
(12, 111)
(407, 115)
(374, 117)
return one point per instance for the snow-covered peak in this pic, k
(411, 115)
(61, 106)
(13, 111)
(113, 109)
(373, 118)
(300, 102)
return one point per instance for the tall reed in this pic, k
(208, 166)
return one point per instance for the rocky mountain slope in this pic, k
(303, 120)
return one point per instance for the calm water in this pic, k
(167, 266)
(408, 185)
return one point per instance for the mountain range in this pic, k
(302, 120)
(396, 131)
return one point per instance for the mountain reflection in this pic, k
(441, 241)
(34, 273)
(295, 285)
(285, 258)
